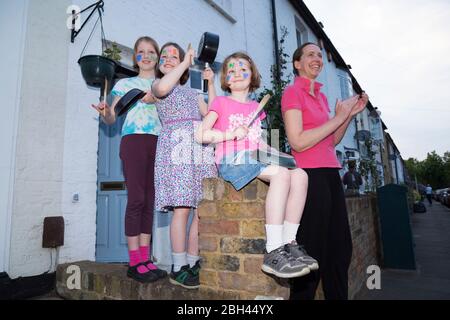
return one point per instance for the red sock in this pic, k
(135, 259)
(145, 253)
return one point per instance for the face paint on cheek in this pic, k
(229, 77)
(161, 62)
(152, 57)
(246, 75)
(139, 58)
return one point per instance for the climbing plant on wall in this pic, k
(274, 119)
(368, 167)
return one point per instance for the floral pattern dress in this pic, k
(181, 163)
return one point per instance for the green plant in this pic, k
(113, 52)
(274, 118)
(368, 168)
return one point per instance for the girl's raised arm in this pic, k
(208, 74)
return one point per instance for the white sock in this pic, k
(179, 260)
(192, 259)
(274, 236)
(289, 231)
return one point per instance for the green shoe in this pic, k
(184, 278)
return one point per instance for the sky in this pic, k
(399, 51)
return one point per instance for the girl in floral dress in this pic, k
(181, 163)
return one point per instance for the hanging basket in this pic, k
(96, 68)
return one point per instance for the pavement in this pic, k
(431, 280)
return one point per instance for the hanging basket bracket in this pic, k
(98, 6)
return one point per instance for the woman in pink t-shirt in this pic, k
(312, 134)
(227, 124)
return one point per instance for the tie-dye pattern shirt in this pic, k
(142, 118)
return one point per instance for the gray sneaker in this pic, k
(282, 264)
(299, 253)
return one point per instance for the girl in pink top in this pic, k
(312, 134)
(227, 125)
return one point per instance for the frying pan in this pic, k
(207, 51)
(128, 100)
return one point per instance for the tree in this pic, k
(446, 159)
(414, 167)
(434, 170)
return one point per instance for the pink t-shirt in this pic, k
(315, 112)
(233, 114)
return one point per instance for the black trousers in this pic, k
(325, 233)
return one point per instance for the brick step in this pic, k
(100, 281)
(103, 281)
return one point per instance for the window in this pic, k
(340, 156)
(225, 7)
(301, 32)
(350, 154)
(196, 79)
(195, 75)
(375, 128)
(345, 84)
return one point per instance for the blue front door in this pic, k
(111, 244)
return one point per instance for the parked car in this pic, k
(439, 193)
(443, 196)
(446, 198)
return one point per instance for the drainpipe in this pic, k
(356, 127)
(275, 36)
(395, 162)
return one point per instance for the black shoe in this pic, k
(184, 278)
(159, 272)
(146, 277)
(195, 270)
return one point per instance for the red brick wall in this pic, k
(232, 242)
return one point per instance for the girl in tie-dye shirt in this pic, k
(137, 151)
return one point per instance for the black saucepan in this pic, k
(128, 100)
(207, 51)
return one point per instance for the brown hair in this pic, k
(255, 81)
(185, 77)
(299, 53)
(138, 42)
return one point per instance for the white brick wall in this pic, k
(12, 33)
(40, 136)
